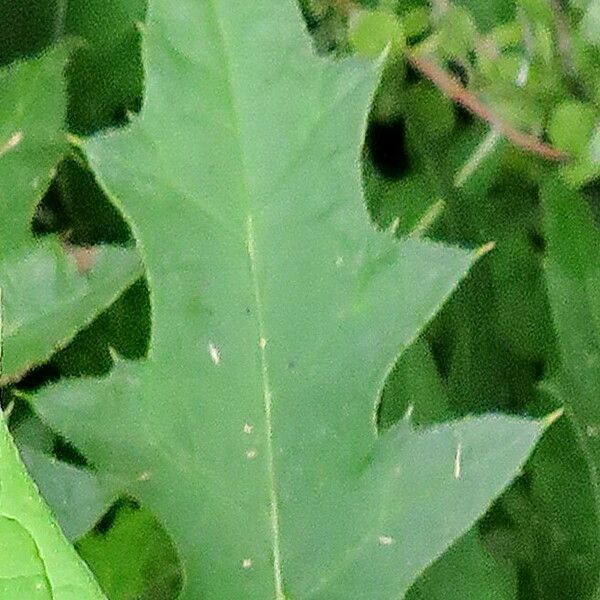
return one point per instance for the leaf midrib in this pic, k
(268, 408)
(264, 366)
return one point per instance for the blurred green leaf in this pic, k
(573, 280)
(403, 203)
(457, 32)
(63, 300)
(415, 390)
(89, 216)
(429, 112)
(590, 24)
(27, 27)
(546, 524)
(105, 74)
(134, 559)
(571, 127)
(370, 32)
(37, 561)
(465, 571)
(76, 496)
(415, 22)
(489, 14)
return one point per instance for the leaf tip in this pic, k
(74, 140)
(485, 249)
(552, 418)
(428, 219)
(114, 356)
(141, 27)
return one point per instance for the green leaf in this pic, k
(105, 74)
(47, 299)
(37, 561)
(28, 26)
(573, 280)
(429, 112)
(408, 204)
(465, 571)
(134, 559)
(571, 127)
(490, 14)
(590, 24)
(77, 497)
(89, 216)
(414, 387)
(572, 274)
(64, 300)
(415, 22)
(371, 32)
(553, 533)
(277, 311)
(457, 32)
(32, 141)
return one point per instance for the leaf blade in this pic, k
(278, 309)
(40, 562)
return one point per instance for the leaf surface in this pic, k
(105, 74)
(48, 294)
(37, 324)
(466, 571)
(77, 497)
(32, 141)
(37, 561)
(573, 279)
(134, 559)
(278, 311)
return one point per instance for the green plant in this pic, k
(220, 361)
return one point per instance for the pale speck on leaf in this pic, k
(214, 353)
(145, 476)
(12, 142)
(457, 461)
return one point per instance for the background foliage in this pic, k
(511, 157)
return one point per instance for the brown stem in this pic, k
(454, 90)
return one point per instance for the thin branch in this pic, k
(454, 90)
(459, 94)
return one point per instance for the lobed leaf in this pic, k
(278, 311)
(37, 561)
(49, 294)
(77, 497)
(36, 325)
